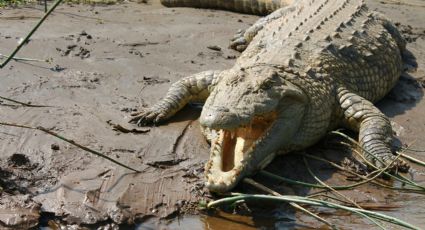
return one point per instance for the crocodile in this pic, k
(307, 68)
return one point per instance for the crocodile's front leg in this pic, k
(242, 39)
(375, 132)
(194, 88)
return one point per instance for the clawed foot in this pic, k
(396, 165)
(147, 117)
(239, 42)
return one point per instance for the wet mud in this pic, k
(103, 63)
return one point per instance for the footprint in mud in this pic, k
(18, 159)
(77, 49)
(411, 34)
(153, 80)
(136, 52)
(78, 79)
(74, 50)
(17, 175)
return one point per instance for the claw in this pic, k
(237, 37)
(396, 166)
(134, 120)
(147, 117)
(135, 114)
(401, 166)
(140, 121)
(241, 48)
(158, 119)
(238, 42)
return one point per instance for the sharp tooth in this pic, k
(240, 144)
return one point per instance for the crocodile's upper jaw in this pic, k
(232, 153)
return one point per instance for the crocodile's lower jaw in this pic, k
(232, 153)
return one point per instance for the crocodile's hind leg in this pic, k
(242, 39)
(375, 132)
(194, 88)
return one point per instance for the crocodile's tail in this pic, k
(257, 7)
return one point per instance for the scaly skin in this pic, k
(258, 7)
(319, 65)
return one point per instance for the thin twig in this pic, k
(361, 176)
(326, 185)
(10, 57)
(119, 128)
(71, 142)
(338, 187)
(401, 3)
(350, 201)
(396, 176)
(23, 59)
(22, 103)
(413, 150)
(343, 196)
(412, 159)
(314, 202)
(361, 147)
(366, 206)
(295, 205)
(378, 173)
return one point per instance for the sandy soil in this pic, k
(108, 61)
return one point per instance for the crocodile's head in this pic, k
(252, 113)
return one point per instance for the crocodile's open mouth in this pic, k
(231, 152)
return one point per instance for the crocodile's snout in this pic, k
(219, 118)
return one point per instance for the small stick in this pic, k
(401, 3)
(366, 206)
(342, 195)
(397, 176)
(30, 33)
(22, 103)
(315, 202)
(23, 59)
(413, 150)
(380, 171)
(119, 128)
(327, 186)
(412, 159)
(295, 205)
(343, 187)
(360, 176)
(71, 142)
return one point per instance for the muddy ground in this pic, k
(105, 62)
